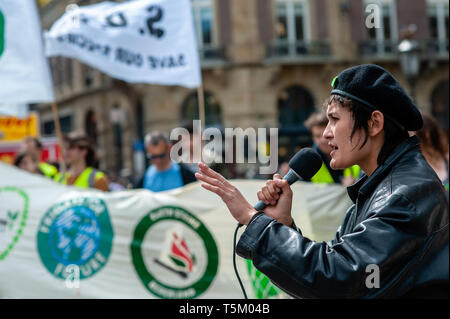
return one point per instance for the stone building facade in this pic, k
(265, 63)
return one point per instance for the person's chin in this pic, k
(334, 164)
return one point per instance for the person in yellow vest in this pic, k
(316, 124)
(33, 147)
(80, 157)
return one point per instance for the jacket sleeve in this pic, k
(389, 237)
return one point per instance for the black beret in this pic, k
(377, 89)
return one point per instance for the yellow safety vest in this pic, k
(324, 176)
(86, 179)
(48, 170)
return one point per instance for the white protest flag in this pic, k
(141, 41)
(24, 72)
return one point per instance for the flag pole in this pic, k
(59, 135)
(201, 106)
(201, 111)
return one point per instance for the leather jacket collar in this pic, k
(366, 185)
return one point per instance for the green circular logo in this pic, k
(75, 232)
(174, 254)
(13, 217)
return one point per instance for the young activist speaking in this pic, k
(398, 222)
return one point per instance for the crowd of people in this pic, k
(163, 173)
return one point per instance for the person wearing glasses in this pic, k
(163, 173)
(80, 157)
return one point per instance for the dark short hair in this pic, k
(19, 158)
(316, 119)
(155, 138)
(82, 141)
(393, 134)
(36, 141)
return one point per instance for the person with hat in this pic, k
(393, 242)
(80, 157)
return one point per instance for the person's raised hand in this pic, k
(238, 206)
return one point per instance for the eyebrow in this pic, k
(330, 114)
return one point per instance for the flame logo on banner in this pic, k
(179, 260)
(180, 254)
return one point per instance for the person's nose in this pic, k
(327, 133)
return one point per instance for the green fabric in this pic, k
(48, 170)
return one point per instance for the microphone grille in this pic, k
(306, 163)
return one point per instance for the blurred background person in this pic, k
(33, 146)
(434, 146)
(81, 160)
(316, 124)
(25, 161)
(115, 184)
(163, 173)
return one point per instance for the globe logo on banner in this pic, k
(75, 232)
(2, 33)
(185, 264)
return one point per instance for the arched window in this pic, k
(90, 125)
(439, 104)
(213, 111)
(295, 104)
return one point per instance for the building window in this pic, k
(203, 14)
(213, 110)
(295, 104)
(62, 72)
(292, 30)
(383, 32)
(438, 24)
(117, 118)
(48, 127)
(88, 75)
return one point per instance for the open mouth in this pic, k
(333, 148)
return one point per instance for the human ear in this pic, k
(376, 123)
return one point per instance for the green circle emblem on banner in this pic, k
(174, 254)
(75, 232)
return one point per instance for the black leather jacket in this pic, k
(399, 222)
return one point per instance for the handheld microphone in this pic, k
(303, 165)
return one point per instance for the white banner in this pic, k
(17, 110)
(24, 73)
(62, 242)
(141, 41)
